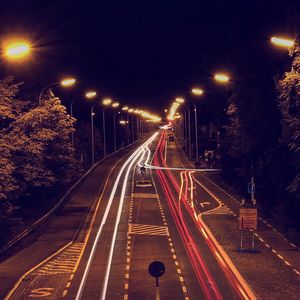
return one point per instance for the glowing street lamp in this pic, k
(90, 94)
(197, 91)
(115, 104)
(106, 101)
(125, 108)
(221, 77)
(68, 82)
(282, 42)
(179, 100)
(17, 50)
(130, 110)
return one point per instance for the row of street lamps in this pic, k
(222, 78)
(106, 102)
(17, 50)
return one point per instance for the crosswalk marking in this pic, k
(64, 263)
(143, 195)
(148, 229)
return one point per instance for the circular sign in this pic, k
(156, 269)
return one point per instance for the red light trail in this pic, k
(176, 203)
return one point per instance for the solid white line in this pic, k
(92, 253)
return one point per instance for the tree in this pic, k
(42, 150)
(10, 107)
(289, 103)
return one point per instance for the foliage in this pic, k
(10, 107)
(43, 152)
(289, 103)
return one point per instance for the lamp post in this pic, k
(89, 95)
(196, 92)
(125, 109)
(115, 105)
(92, 127)
(105, 102)
(130, 110)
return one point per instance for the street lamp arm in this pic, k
(46, 87)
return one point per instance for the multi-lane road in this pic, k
(101, 243)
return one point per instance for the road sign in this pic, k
(248, 219)
(156, 269)
(143, 170)
(251, 187)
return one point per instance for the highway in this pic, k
(133, 223)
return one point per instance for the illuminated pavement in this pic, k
(128, 227)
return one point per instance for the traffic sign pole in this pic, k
(156, 269)
(157, 295)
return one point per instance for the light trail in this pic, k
(148, 166)
(133, 157)
(234, 278)
(201, 271)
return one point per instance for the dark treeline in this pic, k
(262, 133)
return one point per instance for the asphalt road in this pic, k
(104, 252)
(44, 267)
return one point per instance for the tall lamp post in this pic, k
(91, 95)
(105, 102)
(196, 92)
(131, 110)
(115, 105)
(125, 109)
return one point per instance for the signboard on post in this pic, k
(251, 187)
(248, 219)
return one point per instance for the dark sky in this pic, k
(143, 52)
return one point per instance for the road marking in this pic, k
(63, 263)
(144, 195)
(41, 292)
(11, 292)
(148, 229)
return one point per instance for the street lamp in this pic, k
(179, 100)
(16, 50)
(222, 77)
(67, 82)
(282, 42)
(89, 95)
(197, 91)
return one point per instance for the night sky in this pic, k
(142, 52)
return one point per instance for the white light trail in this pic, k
(133, 157)
(148, 166)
